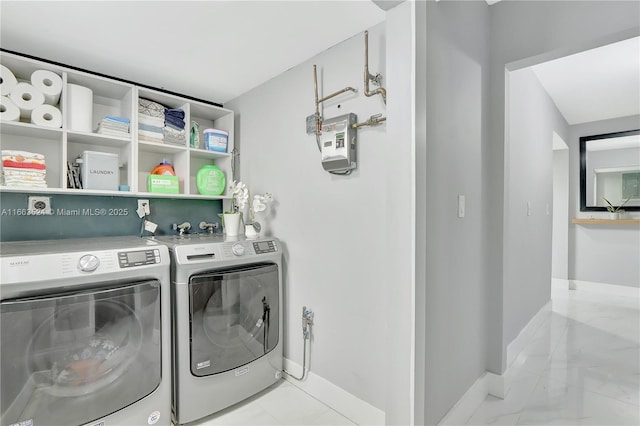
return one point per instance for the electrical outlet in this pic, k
(143, 206)
(39, 206)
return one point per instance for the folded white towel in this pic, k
(25, 154)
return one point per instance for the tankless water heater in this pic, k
(338, 144)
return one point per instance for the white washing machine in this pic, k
(227, 321)
(85, 332)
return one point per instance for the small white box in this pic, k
(99, 170)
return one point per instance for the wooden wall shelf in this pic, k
(606, 221)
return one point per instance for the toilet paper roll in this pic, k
(49, 83)
(7, 81)
(79, 108)
(27, 98)
(8, 110)
(47, 116)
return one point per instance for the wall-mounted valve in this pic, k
(211, 227)
(181, 228)
(307, 322)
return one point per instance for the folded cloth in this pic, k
(176, 122)
(110, 132)
(26, 184)
(167, 130)
(178, 113)
(22, 160)
(26, 179)
(116, 128)
(174, 136)
(150, 128)
(11, 171)
(150, 108)
(176, 128)
(149, 139)
(23, 154)
(23, 165)
(116, 118)
(151, 121)
(114, 124)
(151, 134)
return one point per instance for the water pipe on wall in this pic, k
(307, 322)
(370, 77)
(318, 117)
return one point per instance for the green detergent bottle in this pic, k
(210, 180)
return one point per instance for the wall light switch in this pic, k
(461, 206)
(529, 208)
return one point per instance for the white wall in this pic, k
(561, 219)
(601, 253)
(347, 239)
(524, 33)
(532, 121)
(457, 90)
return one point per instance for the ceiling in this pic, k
(597, 84)
(212, 50)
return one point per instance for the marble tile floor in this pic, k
(280, 404)
(581, 368)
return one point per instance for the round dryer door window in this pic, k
(234, 317)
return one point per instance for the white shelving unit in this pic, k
(112, 97)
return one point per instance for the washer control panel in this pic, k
(261, 247)
(128, 259)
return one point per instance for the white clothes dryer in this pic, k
(85, 332)
(227, 321)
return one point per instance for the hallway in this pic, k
(582, 366)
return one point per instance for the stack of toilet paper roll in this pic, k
(33, 102)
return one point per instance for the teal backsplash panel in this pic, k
(80, 216)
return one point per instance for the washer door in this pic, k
(73, 358)
(234, 317)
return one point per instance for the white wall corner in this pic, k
(526, 334)
(345, 403)
(462, 411)
(496, 385)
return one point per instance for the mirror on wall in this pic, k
(610, 168)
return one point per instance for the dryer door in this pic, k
(69, 359)
(234, 317)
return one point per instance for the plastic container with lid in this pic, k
(216, 140)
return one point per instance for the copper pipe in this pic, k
(346, 89)
(372, 121)
(326, 98)
(315, 86)
(368, 76)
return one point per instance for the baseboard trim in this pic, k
(490, 383)
(526, 334)
(487, 384)
(349, 405)
(615, 289)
